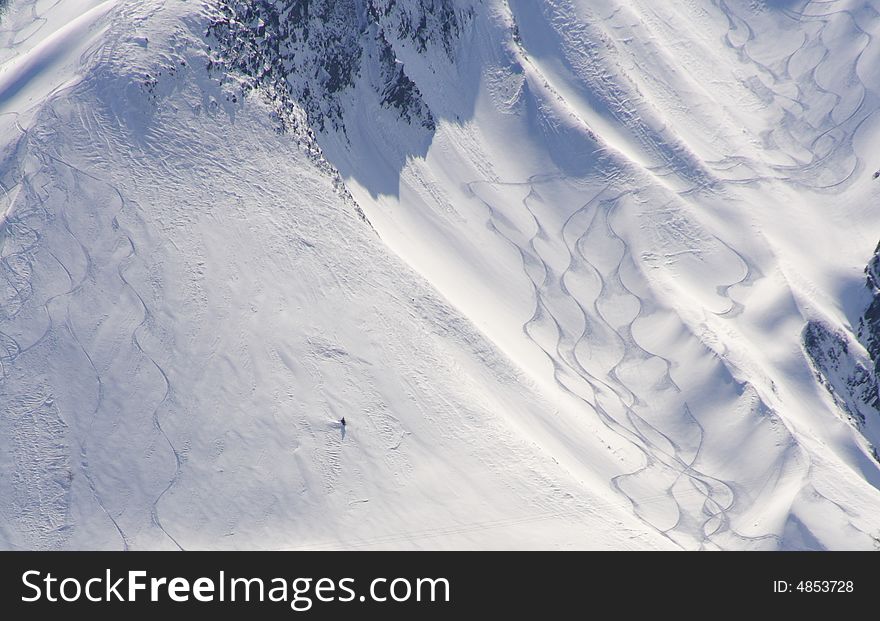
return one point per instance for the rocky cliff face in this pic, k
(869, 325)
(313, 53)
(843, 370)
(848, 364)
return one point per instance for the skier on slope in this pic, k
(342, 421)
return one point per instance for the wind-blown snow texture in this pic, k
(585, 274)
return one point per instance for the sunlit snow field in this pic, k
(567, 313)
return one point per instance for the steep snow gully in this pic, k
(578, 274)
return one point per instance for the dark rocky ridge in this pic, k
(848, 364)
(869, 324)
(312, 53)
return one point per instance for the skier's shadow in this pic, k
(341, 426)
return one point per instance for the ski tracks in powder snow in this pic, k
(41, 182)
(607, 311)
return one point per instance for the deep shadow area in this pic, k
(364, 77)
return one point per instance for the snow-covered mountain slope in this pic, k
(577, 274)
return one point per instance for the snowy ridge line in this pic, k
(584, 46)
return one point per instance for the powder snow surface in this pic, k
(570, 315)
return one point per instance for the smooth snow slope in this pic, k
(589, 332)
(189, 307)
(645, 206)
